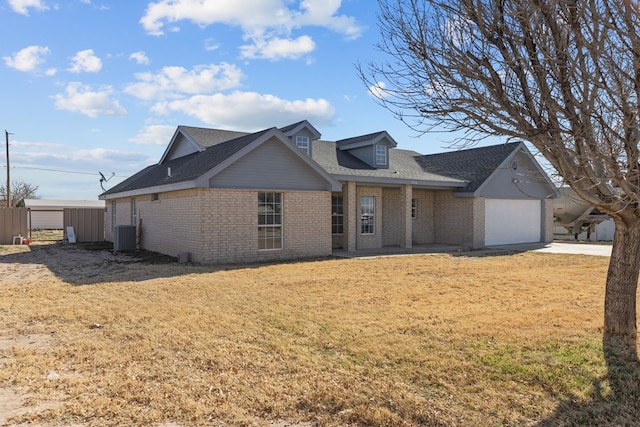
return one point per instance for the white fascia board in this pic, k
(445, 185)
(187, 185)
(179, 131)
(171, 141)
(305, 124)
(372, 141)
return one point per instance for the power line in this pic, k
(51, 170)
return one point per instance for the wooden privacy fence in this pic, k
(88, 223)
(13, 222)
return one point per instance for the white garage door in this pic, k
(512, 221)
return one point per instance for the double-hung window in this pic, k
(269, 221)
(368, 215)
(337, 215)
(303, 143)
(381, 155)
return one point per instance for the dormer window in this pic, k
(303, 143)
(381, 155)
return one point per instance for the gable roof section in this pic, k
(474, 165)
(479, 165)
(464, 171)
(184, 170)
(205, 137)
(262, 137)
(195, 169)
(297, 127)
(404, 169)
(198, 139)
(364, 140)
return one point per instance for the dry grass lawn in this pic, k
(414, 340)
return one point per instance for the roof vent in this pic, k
(169, 172)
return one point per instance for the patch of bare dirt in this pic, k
(79, 264)
(35, 341)
(14, 401)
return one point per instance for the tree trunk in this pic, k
(620, 330)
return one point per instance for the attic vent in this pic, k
(169, 172)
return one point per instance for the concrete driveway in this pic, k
(562, 248)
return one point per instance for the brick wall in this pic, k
(391, 216)
(396, 216)
(547, 211)
(479, 211)
(232, 222)
(221, 225)
(171, 224)
(423, 231)
(454, 219)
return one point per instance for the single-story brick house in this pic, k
(224, 196)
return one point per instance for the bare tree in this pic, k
(563, 75)
(20, 190)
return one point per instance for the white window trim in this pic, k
(279, 226)
(371, 225)
(303, 143)
(134, 213)
(336, 215)
(381, 155)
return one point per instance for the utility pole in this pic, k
(6, 135)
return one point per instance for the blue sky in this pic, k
(96, 85)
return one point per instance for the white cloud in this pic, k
(82, 99)
(99, 7)
(210, 44)
(101, 155)
(85, 61)
(37, 145)
(269, 23)
(378, 90)
(250, 111)
(60, 156)
(247, 14)
(172, 81)
(323, 13)
(27, 59)
(23, 6)
(140, 57)
(154, 135)
(277, 48)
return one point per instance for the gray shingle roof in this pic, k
(363, 138)
(205, 137)
(473, 165)
(402, 165)
(291, 127)
(464, 169)
(186, 168)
